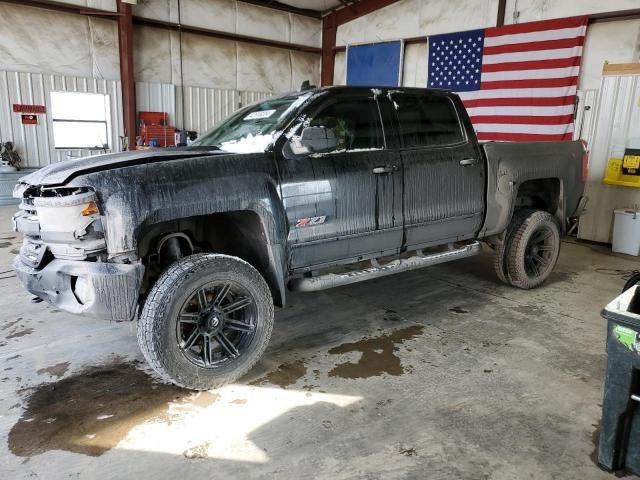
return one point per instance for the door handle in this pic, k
(385, 169)
(465, 162)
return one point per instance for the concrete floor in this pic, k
(442, 373)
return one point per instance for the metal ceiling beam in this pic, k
(359, 9)
(147, 22)
(285, 8)
(78, 10)
(64, 8)
(615, 16)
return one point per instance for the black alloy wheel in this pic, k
(215, 324)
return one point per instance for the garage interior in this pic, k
(442, 372)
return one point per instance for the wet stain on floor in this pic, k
(5, 244)
(530, 310)
(285, 375)
(90, 412)
(20, 333)
(58, 370)
(378, 354)
(458, 310)
(392, 316)
(10, 324)
(203, 399)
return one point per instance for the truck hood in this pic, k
(60, 173)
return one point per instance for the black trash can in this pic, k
(619, 446)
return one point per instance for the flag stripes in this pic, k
(520, 83)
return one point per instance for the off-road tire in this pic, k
(518, 252)
(500, 250)
(157, 323)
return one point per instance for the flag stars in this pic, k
(454, 61)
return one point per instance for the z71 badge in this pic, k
(310, 221)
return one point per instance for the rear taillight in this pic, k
(585, 161)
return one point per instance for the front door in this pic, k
(344, 203)
(444, 177)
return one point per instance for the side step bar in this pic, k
(419, 260)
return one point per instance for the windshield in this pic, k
(252, 129)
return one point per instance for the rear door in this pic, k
(444, 175)
(346, 203)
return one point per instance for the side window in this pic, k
(427, 120)
(353, 122)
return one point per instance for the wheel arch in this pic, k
(245, 234)
(542, 194)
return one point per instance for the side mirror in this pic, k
(314, 140)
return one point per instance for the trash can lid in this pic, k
(626, 211)
(625, 308)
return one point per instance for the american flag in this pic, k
(518, 82)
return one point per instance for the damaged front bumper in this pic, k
(97, 289)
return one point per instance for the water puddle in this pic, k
(92, 411)
(285, 375)
(58, 370)
(378, 354)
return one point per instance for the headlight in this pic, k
(71, 213)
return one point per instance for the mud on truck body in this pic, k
(198, 244)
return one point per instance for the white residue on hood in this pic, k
(248, 144)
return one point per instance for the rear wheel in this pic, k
(532, 252)
(501, 249)
(206, 321)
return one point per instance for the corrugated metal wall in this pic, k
(585, 122)
(35, 142)
(617, 117)
(203, 108)
(156, 97)
(206, 107)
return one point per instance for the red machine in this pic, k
(154, 128)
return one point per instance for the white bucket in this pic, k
(626, 232)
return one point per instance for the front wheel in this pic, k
(533, 250)
(206, 321)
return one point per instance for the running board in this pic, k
(419, 260)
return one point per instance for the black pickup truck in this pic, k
(305, 191)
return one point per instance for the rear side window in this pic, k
(427, 120)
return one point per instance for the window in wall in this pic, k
(80, 120)
(427, 120)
